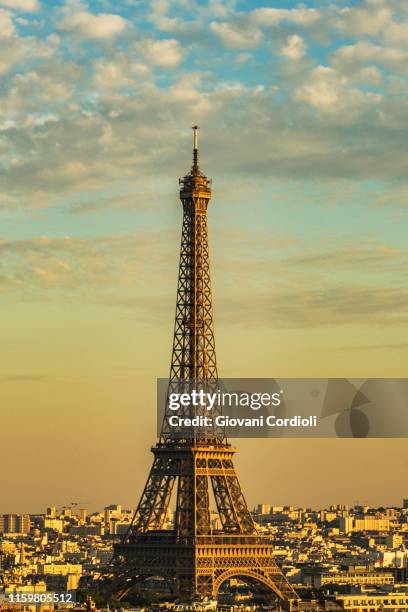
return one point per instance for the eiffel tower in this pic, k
(194, 556)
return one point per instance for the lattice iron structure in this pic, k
(194, 556)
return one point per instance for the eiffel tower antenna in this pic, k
(195, 149)
(195, 556)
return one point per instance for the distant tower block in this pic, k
(196, 555)
(22, 554)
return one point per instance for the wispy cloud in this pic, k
(26, 378)
(129, 272)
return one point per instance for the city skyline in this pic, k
(302, 109)
(76, 509)
(347, 557)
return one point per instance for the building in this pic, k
(328, 516)
(356, 578)
(371, 602)
(394, 540)
(112, 511)
(346, 524)
(118, 527)
(369, 523)
(60, 582)
(53, 523)
(394, 558)
(15, 523)
(263, 509)
(61, 569)
(87, 530)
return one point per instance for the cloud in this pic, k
(397, 33)
(35, 89)
(83, 125)
(274, 16)
(396, 346)
(359, 21)
(367, 52)
(69, 265)
(15, 50)
(128, 272)
(330, 92)
(118, 73)
(103, 26)
(395, 196)
(378, 258)
(295, 48)
(329, 304)
(335, 283)
(114, 138)
(28, 6)
(158, 16)
(26, 378)
(221, 8)
(344, 304)
(191, 22)
(163, 53)
(324, 89)
(241, 58)
(6, 24)
(236, 37)
(369, 75)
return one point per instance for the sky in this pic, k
(303, 110)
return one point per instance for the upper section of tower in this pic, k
(195, 184)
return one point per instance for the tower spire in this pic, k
(195, 149)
